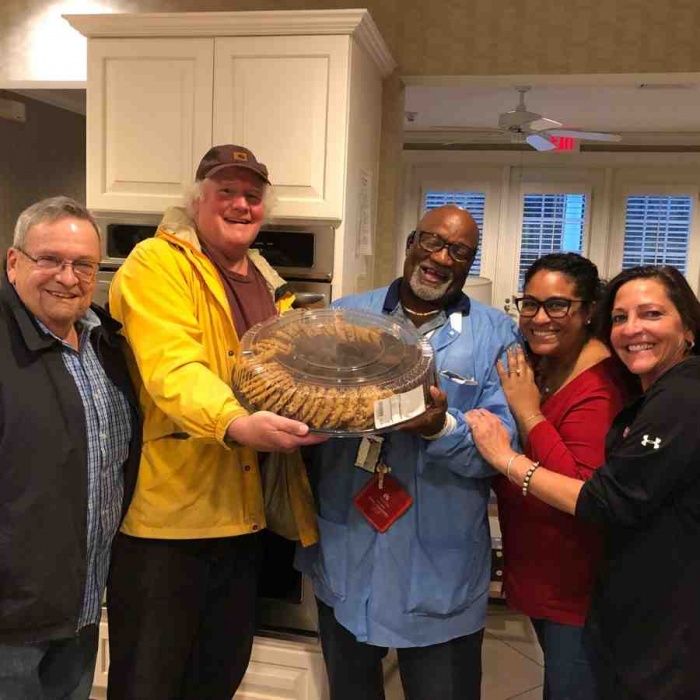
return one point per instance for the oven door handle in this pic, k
(308, 298)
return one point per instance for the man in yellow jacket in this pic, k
(182, 588)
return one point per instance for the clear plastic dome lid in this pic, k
(329, 367)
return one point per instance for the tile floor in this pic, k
(512, 660)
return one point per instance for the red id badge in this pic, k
(383, 507)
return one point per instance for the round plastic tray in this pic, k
(329, 367)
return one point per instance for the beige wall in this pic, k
(456, 37)
(41, 158)
(442, 37)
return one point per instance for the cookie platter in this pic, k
(341, 371)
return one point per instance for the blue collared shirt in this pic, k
(108, 425)
(426, 579)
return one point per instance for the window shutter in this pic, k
(657, 231)
(473, 202)
(552, 223)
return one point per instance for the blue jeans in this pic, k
(567, 670)
(60, 669)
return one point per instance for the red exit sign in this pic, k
(564, 143)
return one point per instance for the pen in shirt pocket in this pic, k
(458, 378)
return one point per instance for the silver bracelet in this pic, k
(510, 461)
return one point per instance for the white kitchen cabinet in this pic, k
(284, 84)
(286, 99)
(149, 117)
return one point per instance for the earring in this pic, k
(588, 323)
(689, 344)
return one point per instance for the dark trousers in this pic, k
(448, 671)
(181, 617)
(60, 669)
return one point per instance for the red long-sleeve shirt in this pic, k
(550, 558)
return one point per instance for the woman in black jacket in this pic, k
(643, 627)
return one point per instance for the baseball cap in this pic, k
(220, 157)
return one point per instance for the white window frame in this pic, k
(627, 188)
(558, 187)
(509, 174)
(488, 180)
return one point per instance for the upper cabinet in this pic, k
(279, 83)
(286, 99)
(149, 117)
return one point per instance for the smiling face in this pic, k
(230, 211)
(436, 277)
(58, 299)
(554, 337)
(647, 333)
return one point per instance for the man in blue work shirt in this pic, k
(422, 585)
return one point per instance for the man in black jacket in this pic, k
(69, 448)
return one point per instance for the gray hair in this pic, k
(48, 211)
(193, 194)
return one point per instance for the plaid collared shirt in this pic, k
(108, 424)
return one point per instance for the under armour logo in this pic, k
(656, 442)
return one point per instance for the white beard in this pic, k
(428, 292)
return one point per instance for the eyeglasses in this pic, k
(84, 270)
(554, 307)
(432, 243)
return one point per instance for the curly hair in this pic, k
(581, 271)
(193, 193)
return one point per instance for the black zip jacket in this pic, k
(644, 619)
(43, 473)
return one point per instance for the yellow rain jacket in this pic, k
(176, 318)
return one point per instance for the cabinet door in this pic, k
(286, 99)
(149, 120)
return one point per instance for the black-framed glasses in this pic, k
(432, 243)
(84, 270)
(554, 307)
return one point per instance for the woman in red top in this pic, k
(564, 402)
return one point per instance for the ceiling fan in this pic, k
(520, 125)
(536, 130)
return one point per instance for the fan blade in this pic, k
(438, 128)
(589, 135)
(540, 143)
(543, 123)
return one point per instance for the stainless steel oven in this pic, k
(286, 600)
(121, 231)
(104, 279)
(303, 256)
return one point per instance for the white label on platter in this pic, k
(399, 407)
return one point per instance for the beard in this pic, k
(429, 292)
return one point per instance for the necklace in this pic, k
(421, 313)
